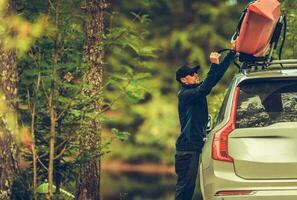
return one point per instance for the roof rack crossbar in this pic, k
(288, 61)
(289, 66)
(275, 64)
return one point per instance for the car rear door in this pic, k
(263, 144)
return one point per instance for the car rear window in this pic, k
(266, 102)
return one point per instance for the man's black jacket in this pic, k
(192, 107)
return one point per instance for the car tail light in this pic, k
(220, 141)
(234, 192)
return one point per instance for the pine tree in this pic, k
(8, 81)
(88, 185)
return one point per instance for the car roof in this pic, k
(272, 71)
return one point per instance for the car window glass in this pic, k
(265, 103)
(221, 113)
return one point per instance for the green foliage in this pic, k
(40, 75)
(180, 32)
(290, 10)
(22, 188)
(18, 33)
(158, 130)
(120, 135)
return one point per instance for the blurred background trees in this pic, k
(182, 32)
(144, 42)
(290, 10)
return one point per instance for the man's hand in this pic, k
(233, 46)
(214, 57)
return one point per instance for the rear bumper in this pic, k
(220, 176)
(263, 195)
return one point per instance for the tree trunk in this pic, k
(34, 155)
(57, 161)
(51, 105)
(8, 82)
(88, 184)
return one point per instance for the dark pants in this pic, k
(186, 167)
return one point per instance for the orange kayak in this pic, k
(257, 27)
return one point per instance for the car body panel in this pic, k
(265, 153)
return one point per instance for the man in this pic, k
(193, 115)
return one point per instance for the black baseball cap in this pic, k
(185, 70)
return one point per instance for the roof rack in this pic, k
(264, 65)
(288, 63)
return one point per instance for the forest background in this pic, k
(141, 44)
